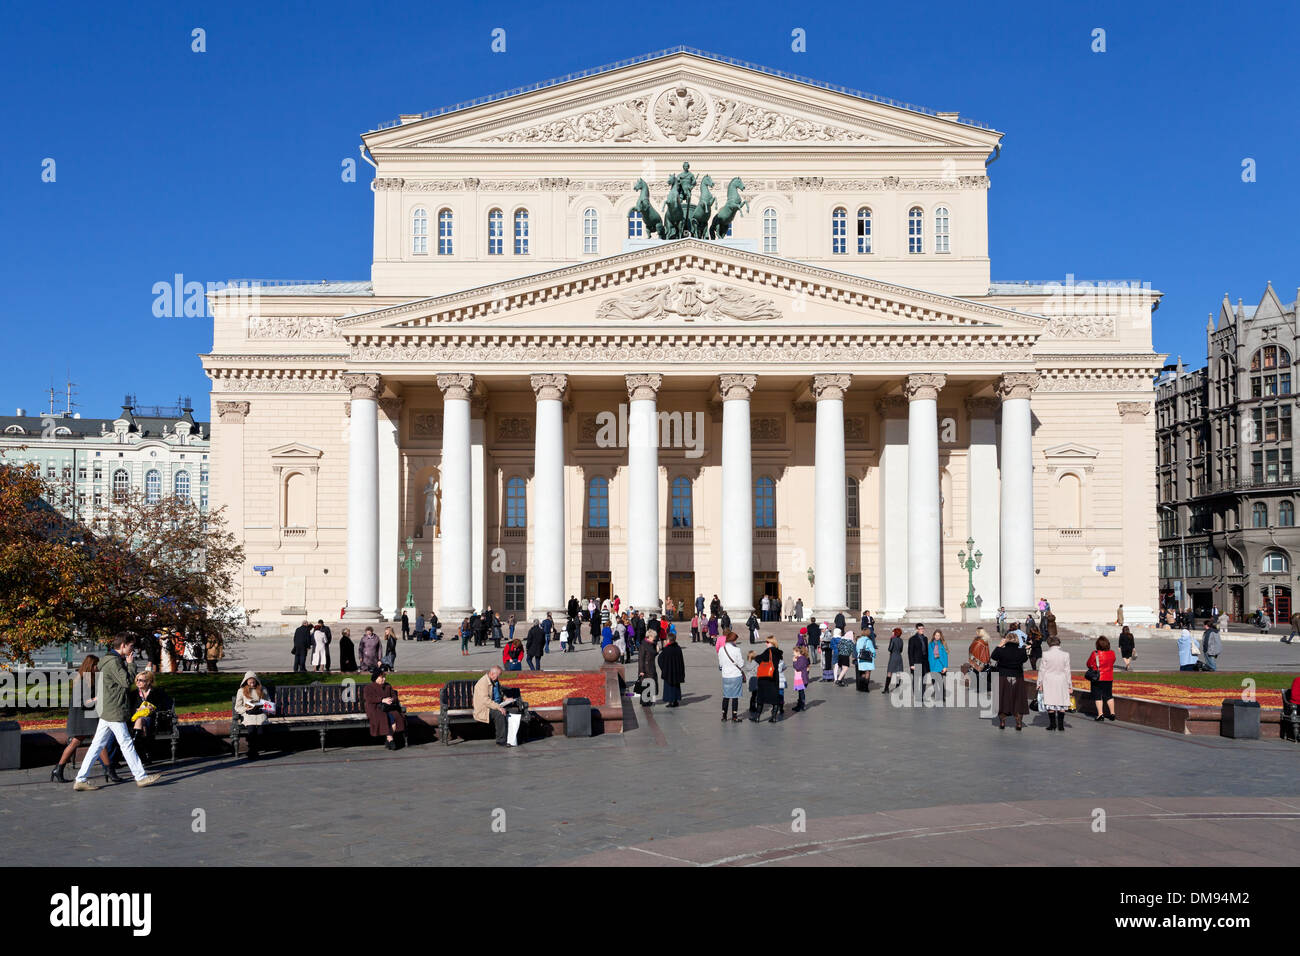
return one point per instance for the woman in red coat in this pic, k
(1102, 660)
(383, 708)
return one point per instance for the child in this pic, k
(695, 628)
(800, 675)
(564, 640)
(780, 687)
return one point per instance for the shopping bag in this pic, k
(512, 731)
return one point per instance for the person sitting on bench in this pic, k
(383, 708)
(493, 703)
(144, 721)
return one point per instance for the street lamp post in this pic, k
(409, 559)
(969, 564)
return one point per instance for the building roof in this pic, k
(145, 426)
(299, 287)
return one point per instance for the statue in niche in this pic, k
(431, 503)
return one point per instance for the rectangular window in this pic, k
(1285, 465)
(1257, 466)
(516, 593)
(853, 591)
(1270, 465)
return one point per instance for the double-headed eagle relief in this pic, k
(685, 216)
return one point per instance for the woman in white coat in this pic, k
(1054, 682)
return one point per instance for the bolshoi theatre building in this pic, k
(683, 325)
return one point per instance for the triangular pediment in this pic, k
(296, 451)
(1270, 306)
(697, 284)
(1070, 451)
(681, 100)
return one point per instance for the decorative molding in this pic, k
(278, 380)
(805, 411)
(741, 122)
(426, 423)
(767, 429)
(624, 122)
(1081, 326)
(232, 413)
(391, 407)
(895, 184)
(831, 387)
(855, 429)
(549, 387)
(1133, 411)
(1016, 385)
(736, 387)
(891, 406)
(643, 386)
(515, 428)
(291, 327)
(681, 112)
(362, 385)
(688, 298)
(456, 386)
(924, 386)
(980, 407)
(1095, 380)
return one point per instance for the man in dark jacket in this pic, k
(699, 605)
(814, 639)
(406, 627)
(646, 665)
(638, 632)
(918, 656)
(116, 704)
(672, 669)
(751, 626)
(839, 621)
(725, 622)
(572, 608)
(535, 645)
(715, 607)
(302, 642)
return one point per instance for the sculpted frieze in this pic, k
(1081, 326)
(290, 327)
(689, 298)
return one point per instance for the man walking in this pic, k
(1211, 646)
(115, 708)
(302, 643)
(535, 645)
(918, 656)
(406, 627)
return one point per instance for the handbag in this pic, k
(1092, 673)
(766, 669)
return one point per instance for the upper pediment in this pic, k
(683, 99)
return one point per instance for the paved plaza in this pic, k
(875, 783)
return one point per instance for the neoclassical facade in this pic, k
(826, 401)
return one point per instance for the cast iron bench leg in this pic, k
(322, 740)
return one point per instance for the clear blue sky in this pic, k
(1119, 165)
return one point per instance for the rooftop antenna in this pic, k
(70, 387)
(51, 412)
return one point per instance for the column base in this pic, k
(450, 617)
(1135, 614)
(363, 615)
(971, 615)
(926, 615)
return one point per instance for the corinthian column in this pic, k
(737, 496)
(983, 508)
(924, 592)
(643, 491)
(456, 598)
(1017, 476)
(363, 498)
(830, 537)
(547, 513)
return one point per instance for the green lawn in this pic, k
(1220, 680)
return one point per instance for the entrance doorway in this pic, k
(765, 582)
(1237, 597)
(598, 586)
(681, 588)
(1281, 603)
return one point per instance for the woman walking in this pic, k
(1126, 646)
(844, 652)
(978, 655)
(939, 662)
(865, 653)
(464, 637)
(895, 665)
(1101, 663)
(731, 666)
(390, 649)
(1010, 657)
(82, 721)
(672, 668)
(769, 687)
(1054, 682)
(1034, 640)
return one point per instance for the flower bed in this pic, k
(1184, 696)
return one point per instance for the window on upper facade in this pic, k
(496, 232)
(420, 232)
(682, 503)
(764, 502)
(590, 232)
(1259, 515)
(839, 231)
(181, 484)
(851, 512)
(521, 232)
(941, 229)
(153, 486)
(598, 503)
(516, 504)
(1286, 515)
(446, 231)
(864, 231)
(121, 484)
(769, 231)
(915, 231)
(635, 225)
(1276, 562)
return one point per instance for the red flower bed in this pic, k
(1184, 696)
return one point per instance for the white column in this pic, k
(924, 595)
(830, 585)
(478, 502)
(893, 509)
(643, 589)
(456, 600)
(983, 493)
(1138, 557)
(1017, 477)
(737, 497)
(548, 524)
(391, 588)
(363, 498)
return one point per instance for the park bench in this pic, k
(318, 707)
(456, 706)
(166, 728)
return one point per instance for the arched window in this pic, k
(598, 503)
(764, 502)
(839, 231)
(941, 229)
(153, 486)
(682, 502)
(181, 484)
(446, 227)
(1068, 506)
(1286, 515)
(516, 504)
(590, 231)
(635, 226)
(297, 501)
(851, 514)
(915, 231)
(121, 484)
(864, 230)
(1276, 562)
(1275, 363)
(1259, 515)
(496, 232)
(769, 231)
(420, 232)
(521, 232)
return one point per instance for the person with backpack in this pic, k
(865, 652)
(844, 654)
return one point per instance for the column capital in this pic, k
(232, 413)
(1134, 411)
(830, 387)
(980, 407)
(392, 407)
(1017, 385)
(363, 384)
(643, 386)
(891, 405)
(736, 387)
(456, 386)
(549, 387)
(924, 385)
